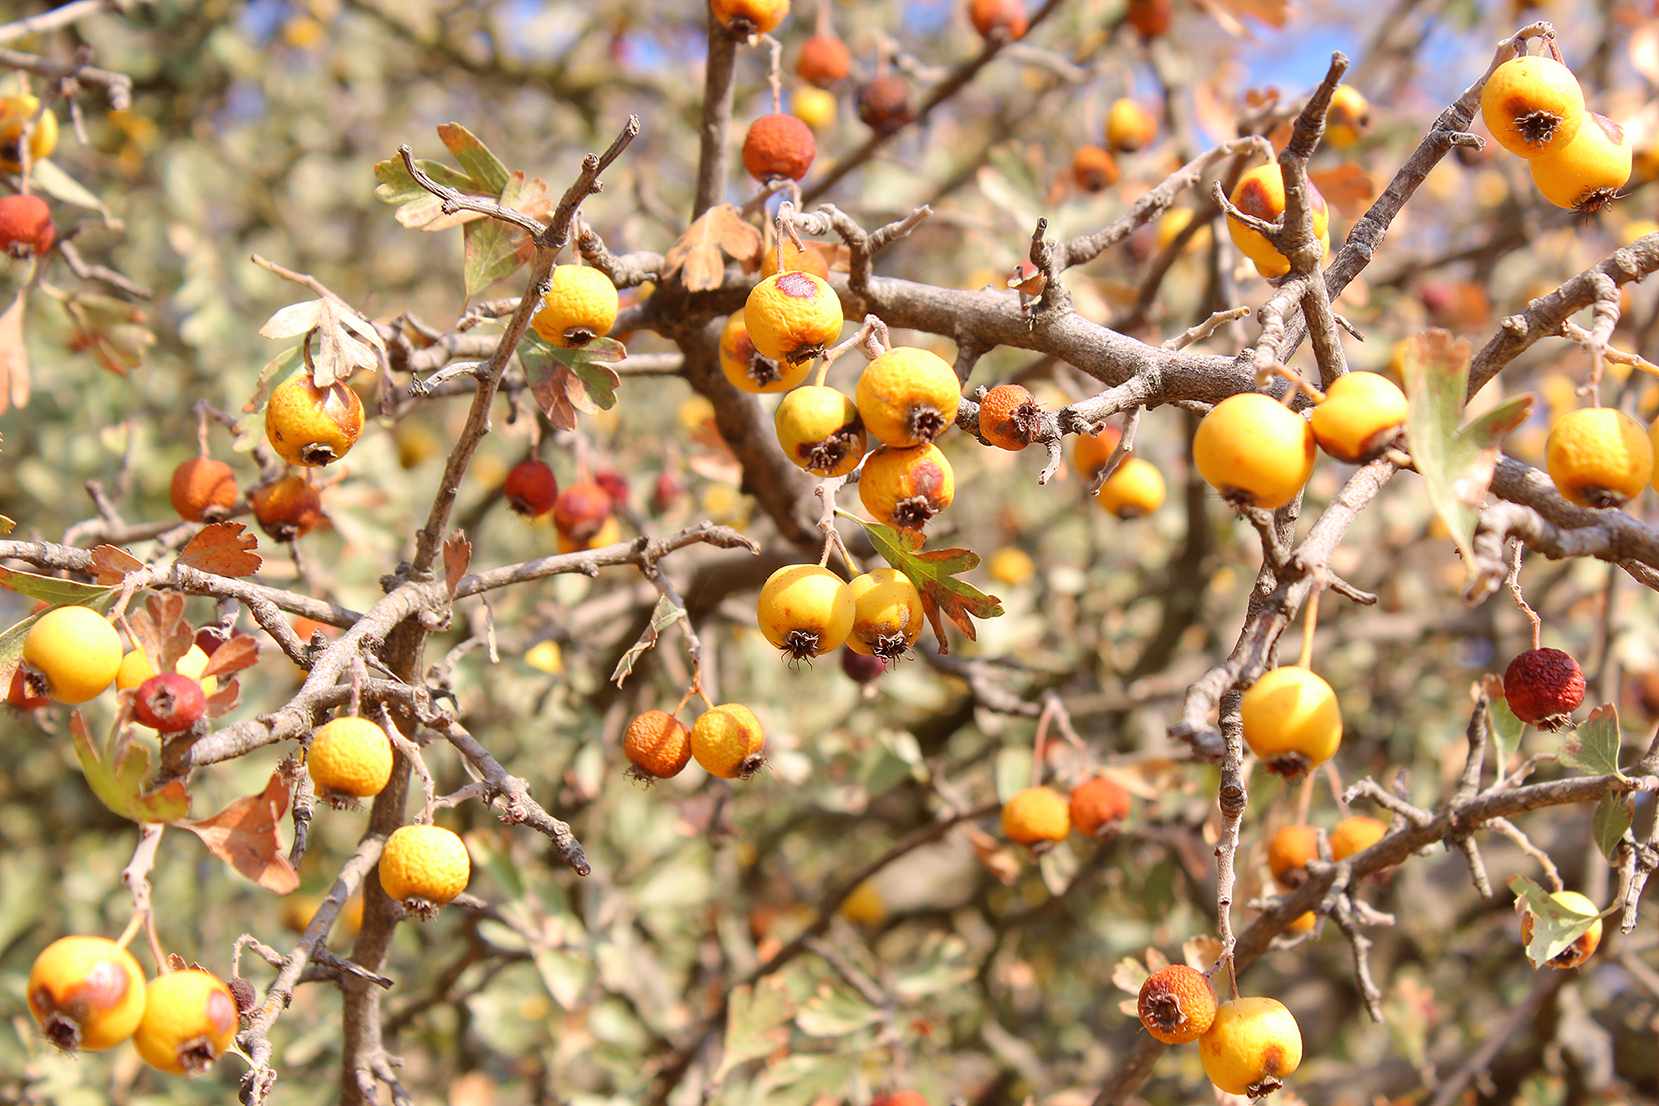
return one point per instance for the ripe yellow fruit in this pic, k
(1587, 173)
(1291, 720)
(1136, 488)
(76, 650)
(1034, 815)
(1129, 126)
(1176, 1004)
(136, 667)
(747, 370)
(657, 744)
(1355, 834)
(887, 614)
(424, 867)
(190, 1019)
(813, 106)
(1637, 229)
(727, 741)
(1532, 105)
(1598, 456)
(908, 396)
(750, 17)
(1173, 222)
(906, 487)
(1251, 1046)
(1011, 566)
(1254, 450)
(820, 431)
(805, 610)
(86, 993)
(1261, 192)
(580, 305)
(792, 316)
(312, 426)
(1582, 948)
(1092, 451)
(1302, 923)
(1361, 414)
(298, 910)
(546, 657)
(1348, 118)
(349, 758)
(16, 113)
(864, 905)
(1288, 852)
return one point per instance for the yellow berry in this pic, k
(1587, 173)
(1176, 1004)
(805, 610)
(1173, 222)
(1360, 415)
(887, 614)
(1129, 125)
(580, 305)
(1291, 720)
(1637, 229)
(750, 17)
(820, 431)
(1598, 456)
(312, 426)
(1034, 815)
(727, 741)
(424, 866)
(609, 533)
(864, 905)
(1355, 834)
(1136, 488)
(1254, 450)
(813, 106)
(545, 656)
(747, 370)
(1011, 566)
(190, 1019)
(1251, 1046)
(87, 993)
(1348, 117)
(657, 745)
(1302, 923)
(1261, 192)
(1092, 451)
(908, 396)
(1585, 945)
(76, 650)
(906, 487)
(350, 758)
(792, 316)
(17, 112)
(298, 910)
(1532, 105)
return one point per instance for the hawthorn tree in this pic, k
(409, 575)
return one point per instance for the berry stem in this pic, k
(1297, 383)
(201, 429)
(774, 75)
(686, 698)
(1334, 776)
(1310, 619)
(1304, 799)
(1039, 742)
(1513, 583)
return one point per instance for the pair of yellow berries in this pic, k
(1041, 815)
(1248, 1046)
(88, 994)
(1258, 453)
(1534, 107)
(726, 741)
(1135, 488)
(807, 611)
(1599, 456)
(1293, 847)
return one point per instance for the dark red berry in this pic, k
(1544, 687)
(531, 488)
(667, 491)
(615, 485)
(884, 103)
(861, 668)
(169, 702)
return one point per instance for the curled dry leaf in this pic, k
(233, 655)
(457, 556)
(244, 835)
(720, 232)
(225, 549)
(344, 340)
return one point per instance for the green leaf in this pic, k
(1609, 824)
(1506, 728)
(61, 186)
(493, 251)
(119, 775)
(934, 572)
(50, 589)
(941, 964)
(599, 380)
(395, 185)
(755, 1021)
(1554, 926)
(1595, 747)
(1012, 770)
(1455, 460)
(835, 1011)
(663, 615)
(806, 1078)
(489, 175)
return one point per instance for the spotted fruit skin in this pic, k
(792, 316)
(1544, 687)
(190, 1019)
(908, 396)
(819, 430)
(657, 744)
(1252, 1045)
(1598, 456)
(727, 741)
(1354, 834)
(1176, 1004)
(287, 509)
(887, 613)
(350, 756)
(1532, 105)
(747, 370)
(424, 863)
(86, 993)
(1291, 720)
(311, 426)
(1361, 414)
(1348, 117)
(1009, 417)
(805, 610)
(1575, 954)
(1129, 126)
(1255, 451)
(1135, 489)
(1035, 816)
(906, 487)
(1096, 805)
(76, 650)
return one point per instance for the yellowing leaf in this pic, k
(934, 573)
(119, 774)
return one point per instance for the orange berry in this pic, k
(1036, 815)
(1097, 804)
(778, 146)
(1009, 417)
(1176, 1004)
(289, 508)
(1288, 852)
(200, 485)
(581, 510)
(1092, 451)
(657, 744)
(25, 225)
(531, 488)
(1356, 834)
(991, 16)
(1093, 169)
(824, 60)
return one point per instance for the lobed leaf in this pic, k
(934, 572)
(1595, 747)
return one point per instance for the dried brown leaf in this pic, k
(457, 556)
(224, 548)
(701, 251)
(233, 655)
(111, 563)
(244, 835)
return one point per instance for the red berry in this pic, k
(25, 225)
(778, 145)
(900, 1098)
(884, 103)
(209, 638)
(667, 492)
(169, 702)
(531, 488)
(1544, 687)
(991, 16)
(615, 485)
(861, 668)
(581, 510)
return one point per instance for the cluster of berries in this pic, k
(726, 741)
(1041, 816)
(203, 489)
(1130, 128)
(1247, 1046)
(584, 513)
(26, 228)
(807, 610)
(1291, 848)
(1534, 107)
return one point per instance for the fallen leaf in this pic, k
(719, 233)
(224, 549)
(244, 835)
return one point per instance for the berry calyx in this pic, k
(1361, 415)
(580, 305)
(824, 61)
(727, 741)
(75, 651)
(169, 703)
(887, 614)
(581, 510)
(1532, 105)
(200, 485)
(749, 17)
(1586, 174)
(906, 487)
(1289, 852)
(86, 993)
(190, 1019)
(820, 431)
(805, 610)
(1254, 451)
(778, 147)
(1097, 805)
(531, 488)
(27, 690)
(1134, 489)
(25, 226)
(1291, 720)
(1261, 192)
(1009, 417)
(1348, 117)
(1583, 946)
(1093, 169)
(1354, 834)
(747, 370)
(1176, 1004)
(312, 426)
(1598, 456)
(423, 867)
(657, 745)
(1252, 1045)
(1036, 816)
(1129, 126)
(349, 758)
(1544, 687)
(287, 509)
(993, 17)
(792, 316)
(884, 103)
(908, 396)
